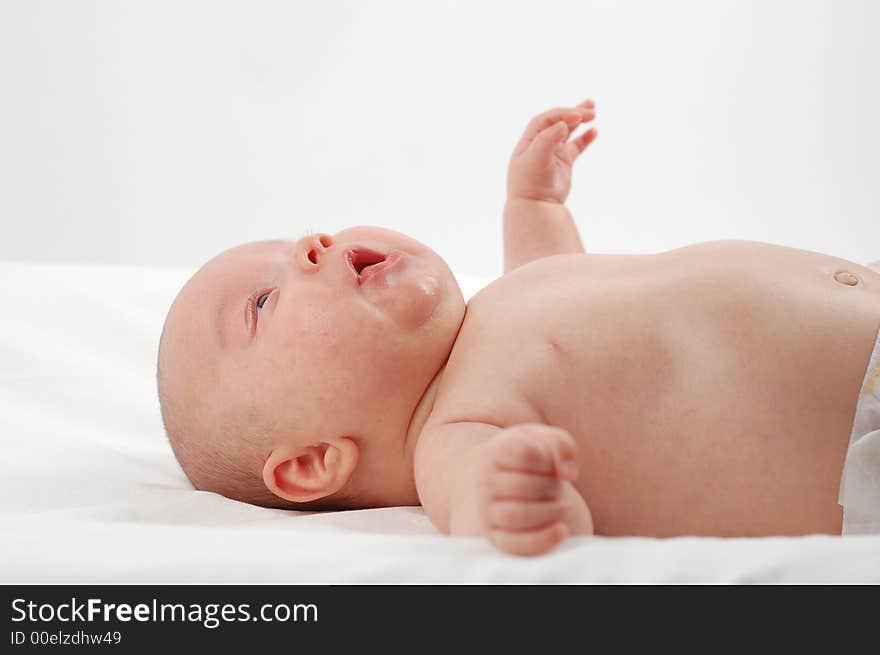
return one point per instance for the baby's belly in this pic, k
(719, 403)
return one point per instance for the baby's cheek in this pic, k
(312, 329)
(319, 349)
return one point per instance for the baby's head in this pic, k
(289, 373)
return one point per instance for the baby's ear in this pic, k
(304, 473)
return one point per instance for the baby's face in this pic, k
(314, 345)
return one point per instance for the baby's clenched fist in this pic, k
(528, 503)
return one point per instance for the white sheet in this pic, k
(92, 493)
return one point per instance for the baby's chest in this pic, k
(554, 354)
(510, 371)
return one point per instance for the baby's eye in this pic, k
(262, 299)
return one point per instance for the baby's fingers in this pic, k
(517, 451)
(571, 116)
(533, 542)
(547, 140)
(514, 485)
(520, 515)
(535, 448)
(578, 145)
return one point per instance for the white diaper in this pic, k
(860, 483)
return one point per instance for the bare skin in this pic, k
(334, 369)
(708, 390)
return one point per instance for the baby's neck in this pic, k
(395, 468)
(420, 416)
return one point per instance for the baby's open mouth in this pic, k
(361, 258)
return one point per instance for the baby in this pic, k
(718, 389)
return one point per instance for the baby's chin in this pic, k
(409, 293)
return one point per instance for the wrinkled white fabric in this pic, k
(860, 480)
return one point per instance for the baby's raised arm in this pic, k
(512, 485)
(536, 222)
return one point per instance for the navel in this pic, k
(847, 278)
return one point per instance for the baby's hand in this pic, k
(540, 167)
(525, 504)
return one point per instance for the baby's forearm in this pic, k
(537, 228)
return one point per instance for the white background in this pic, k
(159, 133)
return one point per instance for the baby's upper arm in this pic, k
(447, 461)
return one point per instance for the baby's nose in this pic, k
(311, 250)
